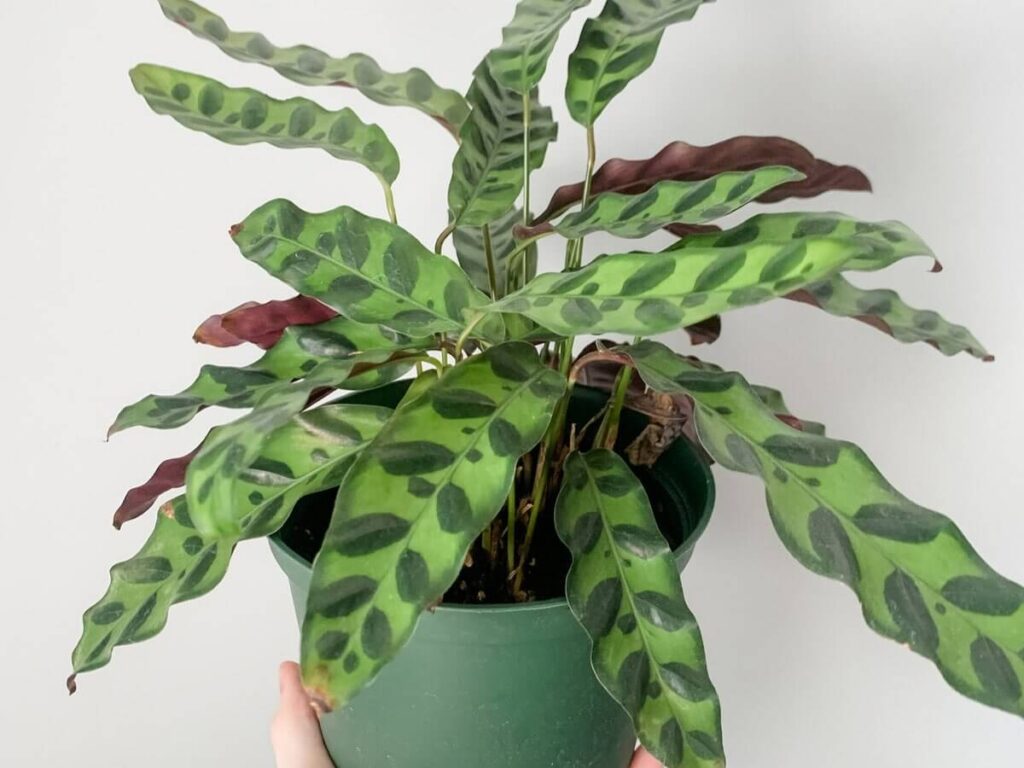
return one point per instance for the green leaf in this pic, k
(309, 66)
(615, 47)
(886, 311)
(670, 202)
(520, 61)
(300, 350)
(641, 293)
(410, 508)
(918, 579)
(776, 403)
(487, 173)
(624, 589)
(245, 116)
(369, 270)
(312, 452)
(884, 243)
(469, 247)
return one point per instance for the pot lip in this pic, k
(282, 550)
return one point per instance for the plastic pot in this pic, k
(503, 686)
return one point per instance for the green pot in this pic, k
(505, 686)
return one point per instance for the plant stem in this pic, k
(389, 201)
(477, 319)
(492, 278)
(549, 446)
(510, 532)
(526, 175)
(519, 252)
(439, 243)
(608, 432)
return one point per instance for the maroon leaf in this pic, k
(170, 474)
(261, 324)
(680, 161)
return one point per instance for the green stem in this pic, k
(389, 201)
(510, 532)
(549, 445)
(526, 174)
(492, 278)
(608, 432)
(519, 252)
(439, 243)
(473, 323)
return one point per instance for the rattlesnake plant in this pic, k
(479, 449)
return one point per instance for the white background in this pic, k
(114, 247)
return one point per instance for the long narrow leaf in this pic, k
(638, 293)
(884, 242)
(680, 161)
(410, 508)
(886, 311)
(310, 453)
(300, 350)
(367, 269)
(918, 579)
(624, 589)
(168, 475)
(244, 116)
(487, 173)
(616, 47)
(520, 61)
(669, 202)
(310, 66)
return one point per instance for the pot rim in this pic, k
(282, 550)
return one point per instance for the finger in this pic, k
(295, 731)
(643, 759)
(293, 695)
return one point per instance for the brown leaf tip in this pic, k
(236, 229)
(320, 701)
(71, 684)
(988, 359)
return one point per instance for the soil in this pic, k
(483, 581)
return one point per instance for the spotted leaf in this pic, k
(310, 453)
(310, 66)
(213, 476)
(520, 61)
(883, 243)
(644, 294)
(669, 202)
(680, 161)
(615, 47)
(245, 116)
(919, 581)
(369, 270)
(624, 589)
(300, 350)
(487, 173)
(410, 508)
(886, 311)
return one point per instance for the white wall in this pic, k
(114, 247)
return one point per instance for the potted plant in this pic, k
(528, 506)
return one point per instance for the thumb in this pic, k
(295, 730)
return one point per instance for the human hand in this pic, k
(295, 731)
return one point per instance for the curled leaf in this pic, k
(310, 66)
(168, 475)
(261, 324)
(245, 116)
(886, 311)
(666, 203)
(680, 161)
